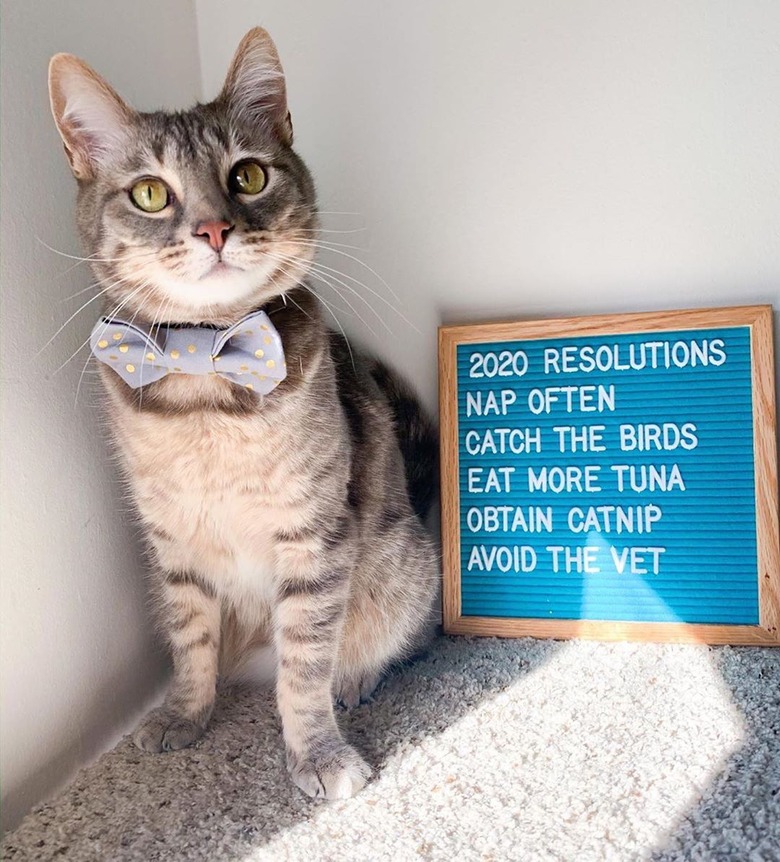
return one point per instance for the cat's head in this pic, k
(193, 216)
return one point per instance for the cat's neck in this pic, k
(300, 298)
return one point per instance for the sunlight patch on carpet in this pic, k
(596, 755)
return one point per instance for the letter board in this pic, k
(612, 477)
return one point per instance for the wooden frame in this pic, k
(759, 319)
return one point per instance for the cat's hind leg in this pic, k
(390, 617)
(354, 690)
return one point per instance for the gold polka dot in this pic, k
(123, 348)
(259, 353)
(130, 368)
(263, 326)
(217, 358)
(176, 368)
(190, 348)
(244, 367)
(249, 386)
(102, 343)
(267, 339)
(150, 357)
(175, 354)
(113, 356)
(263, 377)
(270, 364)
(117, 336)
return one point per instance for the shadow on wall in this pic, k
(738, 817)
(123, 694)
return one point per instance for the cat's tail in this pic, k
(417, 435)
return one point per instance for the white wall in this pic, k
(529, 159)
(78, 662)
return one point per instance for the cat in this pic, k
(285, 514)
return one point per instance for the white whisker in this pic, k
(113, 313)
(326, 243)
(328, 230)
(338, 323)
(79, 292)
(320, 299)
(366, 266)
(371, 291)
(328, 278)
(325, 281)
(78, 311)
(93, 259)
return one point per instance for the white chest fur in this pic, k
(214, 492)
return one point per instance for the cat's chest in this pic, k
(204, 454)
(220, 485)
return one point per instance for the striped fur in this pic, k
(290, 521)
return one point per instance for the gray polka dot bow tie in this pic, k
(248, 353)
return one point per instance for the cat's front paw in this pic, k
(163, 730)
(334, 773)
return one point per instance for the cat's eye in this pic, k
(149, 195)
(247, 178)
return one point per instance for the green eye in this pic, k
(149, 195)
(247, 178)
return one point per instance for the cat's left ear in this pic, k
(254, 88)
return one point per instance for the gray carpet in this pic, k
(484, 750)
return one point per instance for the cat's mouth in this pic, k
(220, 268)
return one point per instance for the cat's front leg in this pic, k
(311, 605)
(190, 616)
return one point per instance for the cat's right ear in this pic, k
(91, 118)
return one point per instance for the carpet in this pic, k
(484, 749)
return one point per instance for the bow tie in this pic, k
(248, 353)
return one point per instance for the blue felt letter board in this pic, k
(609, 477)
(602, 478)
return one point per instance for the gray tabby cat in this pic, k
(290, 520)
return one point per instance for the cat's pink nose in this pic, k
(215, 232)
